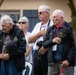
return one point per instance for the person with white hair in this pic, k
(40, 61)
(12, 48)
(59, 42)
(23, 24)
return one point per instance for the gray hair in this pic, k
(59, 12)
(25, 18)
(7, 19)
(45, 8)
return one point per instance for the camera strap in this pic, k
(47, 25)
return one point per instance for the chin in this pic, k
(5, 31)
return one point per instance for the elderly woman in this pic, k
(23, 24)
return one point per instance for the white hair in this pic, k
(25, 18)
(7, 19)
(45, 8)
(59, 12)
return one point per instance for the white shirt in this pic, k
(36, 29)
(29, 57)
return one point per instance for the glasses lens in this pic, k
(21, 22)
(39, 13)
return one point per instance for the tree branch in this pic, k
(72, 7)
(1, 1)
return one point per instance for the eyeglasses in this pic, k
(22, 22)
(39, 12)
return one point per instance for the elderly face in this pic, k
(6, 27)
(57, 19)
(23, 25)
(42, 14)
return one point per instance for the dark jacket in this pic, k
(17, 55)
(68, 52)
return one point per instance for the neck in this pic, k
(25, 32)
(60, 24)
(45, 21)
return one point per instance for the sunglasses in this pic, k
(22, 22)
(39, 12)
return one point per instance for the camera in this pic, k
(39, 44)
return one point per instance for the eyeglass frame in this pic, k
(22, 22)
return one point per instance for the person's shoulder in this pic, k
(50, 27)
(38, 24)
(67, 24)
(16, 28)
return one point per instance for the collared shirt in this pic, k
(57, 27)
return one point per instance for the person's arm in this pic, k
(47, 40)
(71, 54)
(29, 49)
(34, 37)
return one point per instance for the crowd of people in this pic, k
(51, 41)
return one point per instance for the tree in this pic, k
(1, 1)
(73, 16)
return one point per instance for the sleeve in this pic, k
(71, 54)
(36, 28)
(47, 42)
(31, 44)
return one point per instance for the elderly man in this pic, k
(40, 61)
(59, 42)
(12, 48)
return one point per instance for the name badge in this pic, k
(55, 47)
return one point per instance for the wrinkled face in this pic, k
(42, 14)
(23, 25)
(57, 19)
(6, 27)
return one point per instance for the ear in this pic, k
(10, 25)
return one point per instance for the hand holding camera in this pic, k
(42, 50)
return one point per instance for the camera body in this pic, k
(39, 44)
